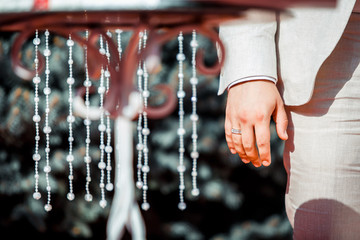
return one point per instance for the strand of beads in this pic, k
(70, 119)
(140, 145)
(87, 122)
(108, 148)
(145, 132)
(102, 129)
(181, 130)
(36, 117)
(47, 128)
(194, 117)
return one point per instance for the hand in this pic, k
(249, 107)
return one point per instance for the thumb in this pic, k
(281, 121)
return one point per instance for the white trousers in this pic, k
(322, 154)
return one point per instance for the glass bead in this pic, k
(146, 150)
(139, 146)
(47, 52)
(103, 203)
(88, 179)
(70, 61)
(47, 71)
(180, 75)
(70, 158)
(107, 73)
(47, 169)
(181, 168)
(47, 130)
(180, 57)
(102, 51)
(36, 195)
(36, 80)
(194, 154)
(87, 83)
(88, 197)
(36, 99)
(70, 80)
(145, 169)
(194, 117)
(109, 187)
(195, 192)
(145, 206)
(182, 206)
(48, 188)
(140, 71)
(145, 187)
(70, 119)
(48, 207)
(139, 184)
(194, 44)
(70, 139)
(36, 41)
(70, 196)
(181, 131)
(180, 38)
(47, 33)
(181, 94)
(108, 149)
(194, 99)
(37, 138)
(102, 165)
(47, 91)
(36, 118)
(36, 176)
(102, 127)
(71, 177)
(101, 185)
(70, 43)
(182, 187)
(87, 159)
(101, 90)
(87, 122)
(194, 174)
(47, 150)
(146, 94)
(145, 131)
(181, 150)
(36, 157)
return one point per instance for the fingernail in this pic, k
(245, 160)
(266, 163)
(257, 164)
(286, 135)
(233, 151)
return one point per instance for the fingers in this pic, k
(262, 133)
(228, 137)
(249, 144)
(281, 121)
(237, 141)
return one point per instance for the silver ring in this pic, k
(236, 131)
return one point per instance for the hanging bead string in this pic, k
(181, 130)
(102, 129)
(108, 148)
(118, 32)
(36, 117)
(140, 145)
(145, 131)
(87, 123)
(70, 119)
(47, 128)
(194, 117)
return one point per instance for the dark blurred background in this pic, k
(236, 201)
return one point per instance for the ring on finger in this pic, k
(236, 131)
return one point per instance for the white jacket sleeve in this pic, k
(250, 48)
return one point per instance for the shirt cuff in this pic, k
(245, 79)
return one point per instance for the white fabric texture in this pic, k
(304, 40)
(322, 154)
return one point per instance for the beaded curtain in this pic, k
(227, 207)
